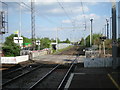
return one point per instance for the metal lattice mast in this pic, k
(33, 23)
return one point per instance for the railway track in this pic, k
(75, 50)
(27, 79)
(8, 68)
(11, 75)
(56, 79)
(46, 76)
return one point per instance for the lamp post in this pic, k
(107, 29)
(91, 32)
(110, 27)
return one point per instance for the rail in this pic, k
(13, 71)
(62, 83)
(19, 76)
(32, 87)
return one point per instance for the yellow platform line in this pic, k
(114, 82)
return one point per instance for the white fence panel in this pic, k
(22, 58)
(8, 60)
(14, 60)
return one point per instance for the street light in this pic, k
(107, 29)
(91, 32)
(110, 27)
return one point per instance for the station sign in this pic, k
(103, 38)
(18, 39)
(37, 42)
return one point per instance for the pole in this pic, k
(91, 33)
(33, 23)
(102, 31)
(38, 47)
(56, 38)
(114, 42)
(110, 27)
(20, 21)
(100, 49)
(107, 29)
(84, 36)
(104, 47)
(19, 32)
(84, 40)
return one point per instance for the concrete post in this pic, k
(91, 33)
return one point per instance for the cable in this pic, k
(67, 8)
(83, 14)
(65, 12)
(37, 12)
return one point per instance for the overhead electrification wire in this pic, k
(72, 13)
(83, 14)
(37, 12)
(70, 10)
(65, 12)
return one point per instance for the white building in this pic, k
(119, 19)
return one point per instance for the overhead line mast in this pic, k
(33, 23)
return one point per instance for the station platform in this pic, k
(96, 78)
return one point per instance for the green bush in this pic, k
(10, 48)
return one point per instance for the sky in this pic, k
(59, 18)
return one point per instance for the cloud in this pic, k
(66, 21)
(78, 9)
(55, 13)
(92, 3)
(54, 9)
(94, 16)
(50, 8)
(80, 18)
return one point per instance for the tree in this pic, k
(26, 40)
(95, 39)
(52, 40)
(45, 43)
(10, 48)
(67, 40)
(82, 41)
(88, 41)
(108, 44)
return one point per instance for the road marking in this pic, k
(80, 73)
(114, 82)
(69, 81)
